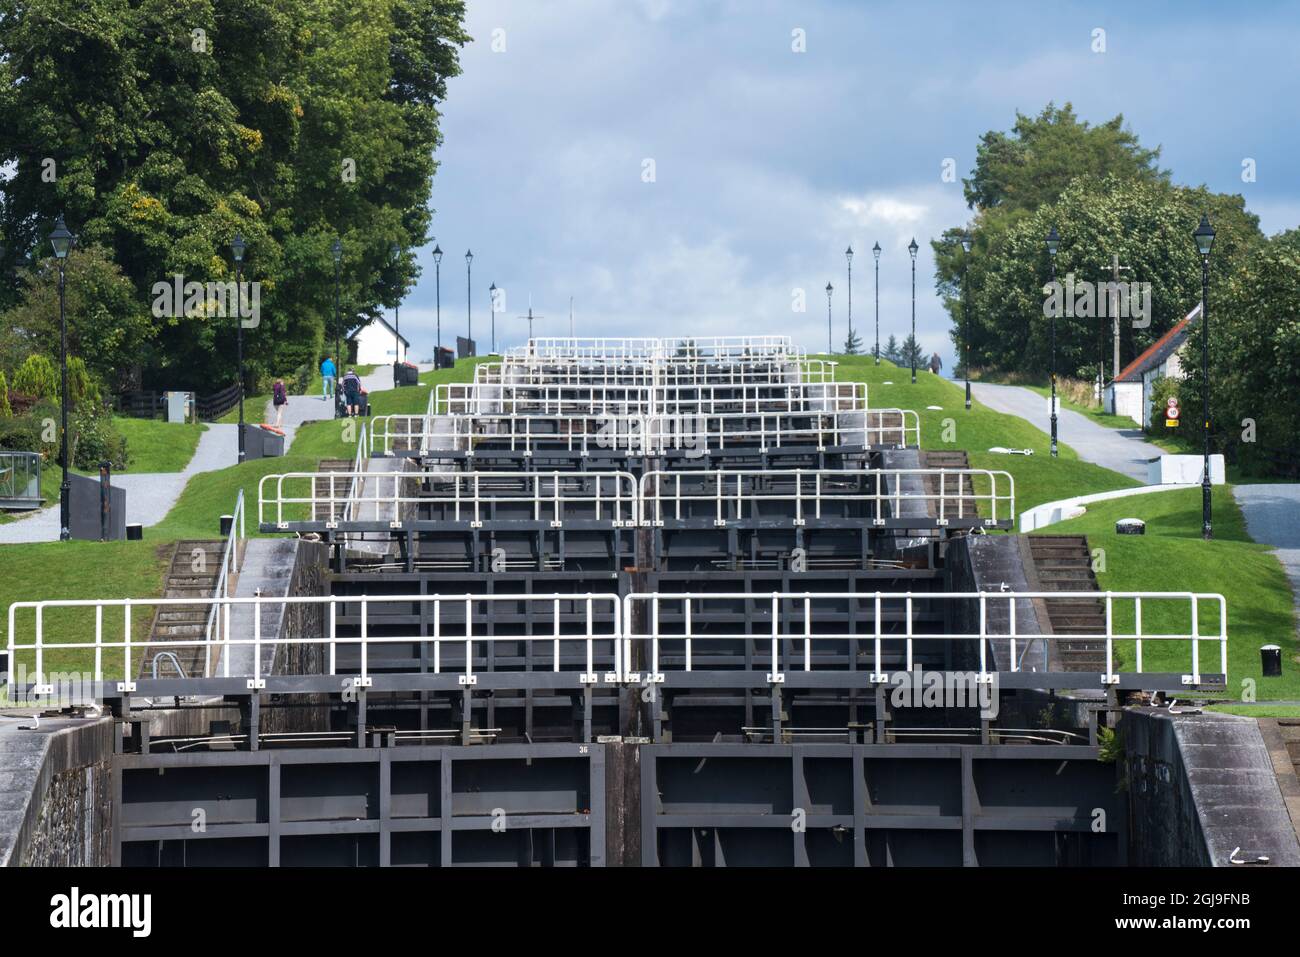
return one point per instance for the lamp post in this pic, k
(912, 247)
(1053, 243)
(437, 290)
(336, 252)
(61, 240)
(875, 251)
(830, 341)
(492, 313)
(1204, 237)
(469, 315)
(237, 248)
(848, 255)
(965, 299)
(396, 251)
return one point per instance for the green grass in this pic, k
(1257, 711)
(1172, 556)
(1038, 477)
(60, 570)
(158, 446)
(1094, 412)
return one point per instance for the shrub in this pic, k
(5, 410)
(95, 439)
(36, 376)
(1161, 390)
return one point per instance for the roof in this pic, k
(385, 323)
(1160, 350)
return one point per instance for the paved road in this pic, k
(1120, 450)
(1273, 517)
(149, 495)
(312, 408)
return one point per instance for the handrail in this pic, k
(229, 565)
(740, 492)
(561, 607)
(610, 495)
(777, 619)
(867, 626)
(704, 433)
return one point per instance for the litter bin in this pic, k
(1270, 661)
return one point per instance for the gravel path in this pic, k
(1120, 450)
(1273, 517)
(149, 495)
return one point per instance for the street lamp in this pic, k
(237, 248)
(965, 261)
(848, 254)
(1204, 237)
(492, 313)
(875, 251)
(336, 251)
(395, 251)
(61, 239)
(437, 287)
(469, 315)
(1053, 243)
(912, 247)
(830, 342)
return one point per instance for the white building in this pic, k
(1130, 393)
(377, 343)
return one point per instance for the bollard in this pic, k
(1270, 661)
(105, 499)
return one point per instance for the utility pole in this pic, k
(530, 317)
(1115, 270)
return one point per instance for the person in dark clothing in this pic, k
(935, 363)
(279, 398)
(352, 392)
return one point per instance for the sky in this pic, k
(682, 168)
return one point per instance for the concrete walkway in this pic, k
(149, 495)
(1273, 518)
(312, 408)
(1120, 450)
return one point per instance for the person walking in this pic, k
(279, 398)
(327, 374)
(935, 363)
(352, 391)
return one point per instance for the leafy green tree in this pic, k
(36, 377)
(5, 410)
(852, 343)
(175, 124)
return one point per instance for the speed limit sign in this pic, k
(1171, 412)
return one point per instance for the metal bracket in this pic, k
(941, 522)
(557, 524)
(587, 678)
(719, 523)
(655, 679)
(799, 522)
(359, 682)
(528, 453)
(467, 679)
(775, 679)
(1187, 679)
(477, 523)
(1114, 679)
(41, 690)
(255, 684)
(611, 677)
(281, 524)
(331, 525)
(632, 677)
(878, 678)
(878, 522)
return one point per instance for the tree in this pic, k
(909, 354)
(175, 124)
(852, 343)
(5, 410)
(891, 352)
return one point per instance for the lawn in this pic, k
(1038, 477)
(158, 446)
(1172, 556)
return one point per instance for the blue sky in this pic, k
(769, 162)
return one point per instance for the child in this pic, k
(280, 398)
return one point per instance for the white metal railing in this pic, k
(229, 564)
(653, 348)
(768, 430)
(469, 497)
(526, 434)
(469, 398)
(786, 622)
(594, 371)
(573, 620)
(817, 493)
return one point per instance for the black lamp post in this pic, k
(848, 255)
(396, 252)
(492, 313)
(965, 300)
(336, 252)
(875, 251)
(237, 248)
(830, 341)
(469, 299)
(1204, 237)
(61, 240)
(1053, 243)
(437, 287)
(912, 247)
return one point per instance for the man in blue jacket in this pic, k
(327, 375)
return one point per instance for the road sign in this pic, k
(1171, 412)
